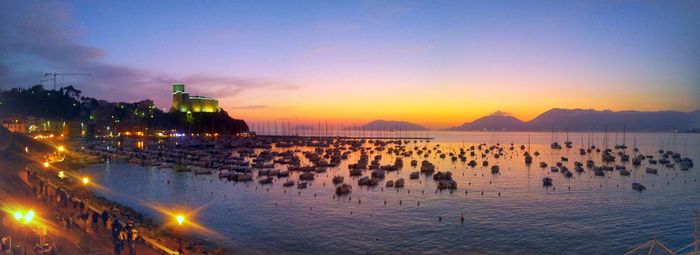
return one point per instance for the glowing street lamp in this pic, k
(61, 148)
(86, 180)
(24, 219)
(61, 174)
(46, 164)
(180, 219)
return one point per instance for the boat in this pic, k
(307, 176)
(390, 184)
(267, 180)
(446, 184)
(338, 179)
(495, 169)
(301, 185)
(546, 181)
(399, 183)
(638, 186)
(343, 189)
(414, 175)
(288, 184)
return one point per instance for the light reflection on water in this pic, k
(598, 215)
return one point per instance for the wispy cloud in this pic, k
(250, 107)
(500, 113)
(37, 38)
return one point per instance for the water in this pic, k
(597, 215)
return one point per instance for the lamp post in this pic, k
(180, 219)
(24, 219)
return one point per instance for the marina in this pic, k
(452, 206)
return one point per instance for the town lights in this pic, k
(46, 164)
(86, 180)
(61, 148)
(61, 174)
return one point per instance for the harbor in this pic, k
(485, 209)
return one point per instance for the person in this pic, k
(82, 205)
(84, 217)
(104, 217)
(122, 238)
(108, 225)
(95, 220)
(69, 222)
(132, 242)
(5, 244)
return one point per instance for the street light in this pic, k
(180, 219)
(61, 174)
(24, 219)
(46, 164)
(61, 148)
(86, 180)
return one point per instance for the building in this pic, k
(183, 102)
(15, 125)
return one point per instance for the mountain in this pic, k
(590, 120)
(391, 125)
(493, 122)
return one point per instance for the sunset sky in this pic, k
(435, 63)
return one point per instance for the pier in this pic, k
(347, 137)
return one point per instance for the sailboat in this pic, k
(622, 146)
(568, 143)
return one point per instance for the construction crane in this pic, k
(54, 74)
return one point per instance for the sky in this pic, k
(434, 63)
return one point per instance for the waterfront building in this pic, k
(183, 102)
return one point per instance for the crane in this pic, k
(54, 74)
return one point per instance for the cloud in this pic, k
(248, 107)
(500, 113)
(38, 37)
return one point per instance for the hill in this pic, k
(590, 120)
(494, 122)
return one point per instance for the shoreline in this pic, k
(153, 234)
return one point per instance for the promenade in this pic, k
(62, 223)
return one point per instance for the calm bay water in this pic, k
(582, 215)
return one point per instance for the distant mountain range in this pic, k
(390, 125)
(588, 120)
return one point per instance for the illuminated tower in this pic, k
(180, 98)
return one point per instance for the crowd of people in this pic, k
(74, 212)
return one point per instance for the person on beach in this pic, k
(95, 220)
(132, 242)
(104, 217)
(108, 225)
(84, 217)
(122, 238)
